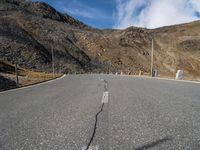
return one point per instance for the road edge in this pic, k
(32, 85)
(160, 78)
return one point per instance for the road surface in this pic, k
(101, 112)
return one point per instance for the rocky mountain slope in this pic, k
(29, 31)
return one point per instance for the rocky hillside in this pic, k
(175, 47)
(29, 31)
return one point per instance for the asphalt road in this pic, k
(101, 112)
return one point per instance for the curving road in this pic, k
(101, 112)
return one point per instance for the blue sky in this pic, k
(125, 13)
(96, 13)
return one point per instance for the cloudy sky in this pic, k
(124, 13)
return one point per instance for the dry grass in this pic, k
(41, 75)
(26, 77)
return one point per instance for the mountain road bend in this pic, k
(101, 112)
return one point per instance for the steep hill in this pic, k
(29, 30)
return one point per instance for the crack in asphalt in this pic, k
(96, 116)
(95, 127)
(105, 85)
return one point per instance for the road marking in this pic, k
(45, 82)
(105, 97)
(91, 148)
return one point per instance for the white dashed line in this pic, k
(91, 148)
(105, 97)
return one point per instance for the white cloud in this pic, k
(155, 13)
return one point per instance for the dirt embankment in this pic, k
(26, 77)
